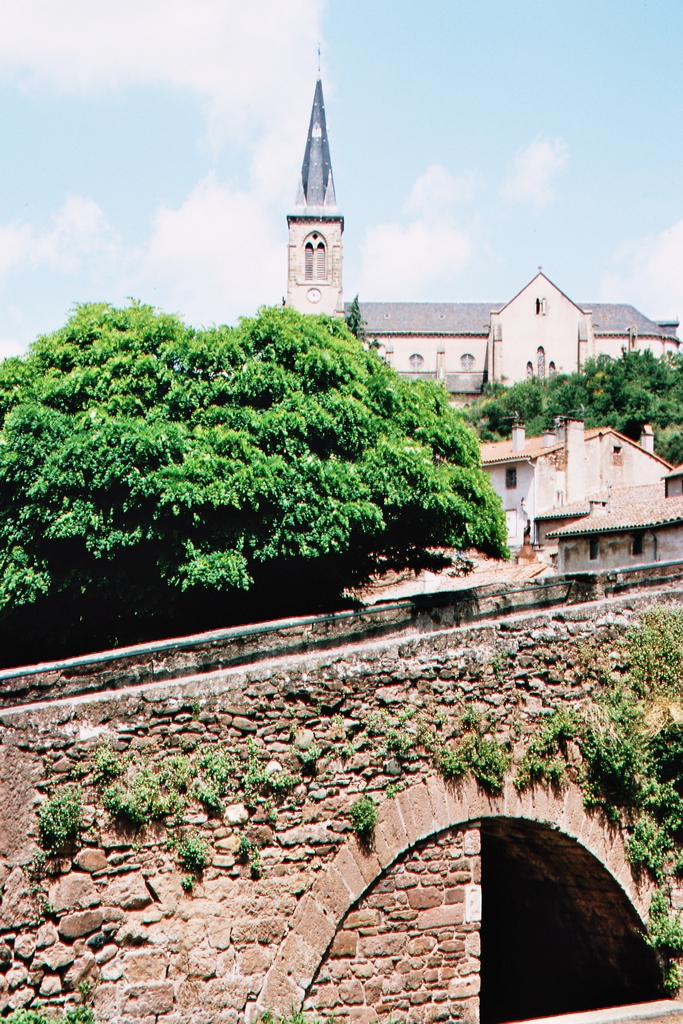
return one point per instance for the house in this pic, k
(547, 482)
(617, 534)
(538, 332)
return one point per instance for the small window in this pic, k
(467, 362)
(637, 548)
(593, 544)
(308, 261)
(540, 361)
(416, 362)
(541, 307)
(511, 478)
(551, 369)
(529, 369)
(617, 455)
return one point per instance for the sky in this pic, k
(151, 149)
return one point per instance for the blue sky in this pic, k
(150, 148)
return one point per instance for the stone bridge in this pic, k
(461, 904)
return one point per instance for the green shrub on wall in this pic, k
(363, 815)
(59, 818)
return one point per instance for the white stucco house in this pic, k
(546, 482)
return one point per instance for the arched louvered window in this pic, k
(529, 369)
(320, 262)
(552, 369)
(540, 362)
(308, 261)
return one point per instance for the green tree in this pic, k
(355, 321)
(155, 479)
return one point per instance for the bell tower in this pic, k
(314, 256)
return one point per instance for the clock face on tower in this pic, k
(314, 295)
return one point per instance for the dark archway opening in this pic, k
(558, 934)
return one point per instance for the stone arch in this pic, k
(415, 814)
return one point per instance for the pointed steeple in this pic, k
(316, 186)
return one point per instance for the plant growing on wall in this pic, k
(363, 815)
(60, 818)
(156, 480)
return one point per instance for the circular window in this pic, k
(416, 361)
(314, 295)
(467, 362)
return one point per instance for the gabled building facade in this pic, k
(538, 333)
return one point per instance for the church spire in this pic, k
(316, 185)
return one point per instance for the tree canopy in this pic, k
(156, 479)
(623, 393)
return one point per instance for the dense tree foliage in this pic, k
(155, 479)
(623, 393)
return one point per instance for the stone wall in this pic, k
(411, 947)
(111, 910)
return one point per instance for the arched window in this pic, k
(467, 362)
(320, 262)
(529, 369)
(416, 362)
(541, 307)
(551, 369)
(540, 362)
(315, 259)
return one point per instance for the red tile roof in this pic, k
(627, 516)
(616, 496)
(501, 451)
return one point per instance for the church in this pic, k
(538, 332)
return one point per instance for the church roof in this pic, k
(428, 317)
(475, 318)
(619, 316)
(316, 185)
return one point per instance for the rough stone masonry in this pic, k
(111, 910)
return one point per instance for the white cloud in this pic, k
(437, 190)
(251, 64)
(650, 274)
(403, 263)
(409, 262)
(222, 251)
(535, 167)
(80, 229)
(218, 255)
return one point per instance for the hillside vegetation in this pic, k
(622, 393)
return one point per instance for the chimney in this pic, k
(518, 437)
(598, 508)
(560, 428)
(575, 461)
(549, 438)
(647, 438)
